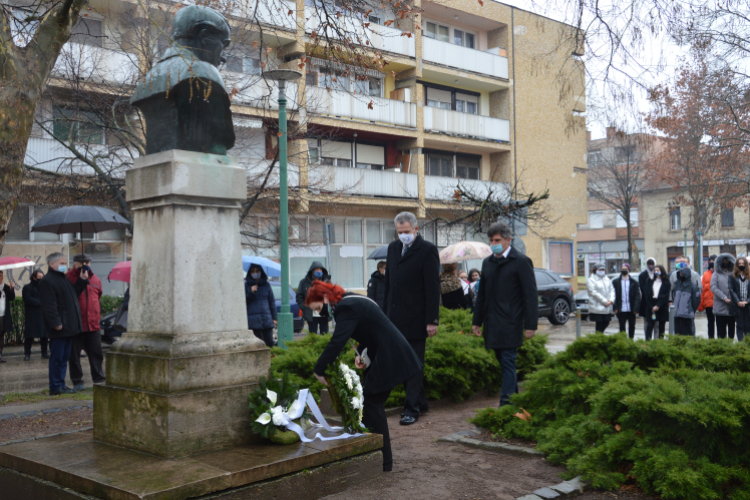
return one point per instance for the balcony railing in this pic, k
(96, 64)
(257, 92)
(257, 170)
(380, 37)
(465, 124)
(346, 105)
(455, 56)
(273, 13)
(442, 188)
(49, 154)
(362, 182)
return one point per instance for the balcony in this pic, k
(442, 188)
(455, 56)
(380, 37)
(466, 124)
(50, 155)
(342, 104)
(96, 64)
(256, 92)
(361, 182)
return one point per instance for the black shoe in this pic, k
(45, 355)
(408, 420)
(64, 390)
(26, 358)
(79, 387)
(387, 468)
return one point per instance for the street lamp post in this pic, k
(286, 326)
(700, 250)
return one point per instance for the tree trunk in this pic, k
(697, 255)
(635, 262)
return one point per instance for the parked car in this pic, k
(582, 298)
(555, 296)
(299, 322)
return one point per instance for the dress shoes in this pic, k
(408, 420)
(45, 355)
(26, 358)
(79, 388)
(65, 390)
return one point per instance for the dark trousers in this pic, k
(651, 325)
(711, 321)
(91, 343)
(27, 342)
(59, 354)
(265, 334)
(374, 418)
(602, 325)
(507, 360)
(684, 326)
(742, 319)
(724, 324)
(318, 326)
(628, 317)
(416, 401)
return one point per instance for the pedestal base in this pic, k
(77, 462)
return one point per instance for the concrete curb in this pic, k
(82, 429)
(23, 414)
(566, 489)
(463, 437)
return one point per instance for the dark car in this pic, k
(555, 296)
(299, 322)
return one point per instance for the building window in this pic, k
(439, 98)
(247, 65)
(374, 19)
(727, 217)
(77, 126)
(88, 32)
(456, 100)
(337, 79)
(596, 220)
(731, 249)
(462, 38)
(19, 225)
(467, 167)
(441, 165)
(675, 220)
(633, 219)
(437, 32)
(561, 258)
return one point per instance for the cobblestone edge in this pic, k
(23, 414)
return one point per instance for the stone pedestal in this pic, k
(178, 380)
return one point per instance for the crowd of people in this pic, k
(721, 292)
(62, 310)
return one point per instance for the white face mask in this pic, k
(406, 239)
(601, 272)
(255, 276)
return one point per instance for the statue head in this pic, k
(204, 31)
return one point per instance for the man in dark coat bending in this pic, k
(412, 300)
(507, 304)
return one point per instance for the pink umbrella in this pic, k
(15, 263)
(464, 250)
(121, 272)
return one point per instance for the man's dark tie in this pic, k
(403, 250)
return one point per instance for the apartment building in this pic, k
(490, 96)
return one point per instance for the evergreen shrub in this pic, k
(672, 416)
(457, 365)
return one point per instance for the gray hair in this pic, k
(406, 217)
(54, 257)
(500, 228)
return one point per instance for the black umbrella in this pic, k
(379, 254)
(80, 219)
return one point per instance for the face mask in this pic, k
(710, 265)
(62, 268)
(406, 239)
(318, 274)
(624, 272)
(741, 268)
(681, 265)
(497, 249)
(255, 276)
(657, 273)
(651, 268)
(601, 272)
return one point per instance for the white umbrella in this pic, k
(464, 250)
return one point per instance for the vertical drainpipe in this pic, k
(515, 137)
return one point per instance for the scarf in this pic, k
(449, 282)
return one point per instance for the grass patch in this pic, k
(20, 398)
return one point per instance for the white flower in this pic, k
(295, 408)
(359, 389)
(264, 419)
(356, 403)
(271, 396)
(348, 379)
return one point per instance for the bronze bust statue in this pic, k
(183, 98)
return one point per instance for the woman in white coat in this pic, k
(601, 297)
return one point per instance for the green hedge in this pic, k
(456, 364)
(672, 416)
(108, 304)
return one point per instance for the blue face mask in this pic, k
(318, 274)
(62, 268)
(681, 265)
(497, 249)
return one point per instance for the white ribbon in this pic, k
(306, 399)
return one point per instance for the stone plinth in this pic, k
(178, 381)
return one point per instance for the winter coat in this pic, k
(452, 293)
(261, 304)
(662, 301)
(91, 311)
(392, 359)
(643, 280)
(507, 301)
(634, 295)
(600, 291)
(707, 297)
(686, 295)
(412, 287)
(34, 327)
(694, 278)
(376, 288)
(720, 286)
(60, 305)
(741, 314)
(304, 285)
(7, 318)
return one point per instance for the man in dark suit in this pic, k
(627, 299)
(507, 305)
(412, 300)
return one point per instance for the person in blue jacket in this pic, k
(261, 305)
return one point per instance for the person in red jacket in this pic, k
(89, 339)
(707, 297)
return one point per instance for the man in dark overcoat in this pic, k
(7, 295)
(33, 320)
(412, 301)
(62, 318)
(507, 305)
